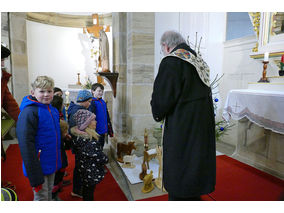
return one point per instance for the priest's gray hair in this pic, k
(172, 39)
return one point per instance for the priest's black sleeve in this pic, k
(167, 88)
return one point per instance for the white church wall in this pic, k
(55, 52)
(239, 69)
(192, 23)
(216, 38)
(59, 52)
(211, 26)
(163, 22)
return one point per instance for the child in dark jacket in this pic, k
(62, 112)
(99, 108)
(38, 133)
(84, 99)
(91, 158)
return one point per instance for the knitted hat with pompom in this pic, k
(83, 118)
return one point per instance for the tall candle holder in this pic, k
(78, 82)
(264, 78)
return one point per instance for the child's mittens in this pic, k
(38, 188)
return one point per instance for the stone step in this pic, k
(276, 83)
(266, 86)
(276, 79)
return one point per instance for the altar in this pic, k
(260, 127)
(262, 107)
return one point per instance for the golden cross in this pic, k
(95, 29)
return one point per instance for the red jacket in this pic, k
(7, 100)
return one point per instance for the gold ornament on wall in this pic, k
(256, 23)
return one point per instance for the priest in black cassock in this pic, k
(182, 98)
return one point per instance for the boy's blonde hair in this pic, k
(43, 82)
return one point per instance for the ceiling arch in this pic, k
(65, 19)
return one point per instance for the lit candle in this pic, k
(266, 56)
(94, 21)
(67, 96)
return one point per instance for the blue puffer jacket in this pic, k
(98, 106)
(38, 133)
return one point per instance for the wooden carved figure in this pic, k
(148, 184)
(145, 140)
(124, 149)
(158, 181)
(128, 161)
(144, 171)
(149, 155)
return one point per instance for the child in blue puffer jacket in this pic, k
(38, 133)
(99, 108)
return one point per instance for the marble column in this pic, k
(119, 65)
(19, 59)
(133, 37)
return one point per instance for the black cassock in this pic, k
(189, 151)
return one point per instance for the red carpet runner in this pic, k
(237, 181)
(11, 170)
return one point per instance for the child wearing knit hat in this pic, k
(91, 159)
(83, 101)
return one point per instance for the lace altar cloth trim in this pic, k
(260, 121)
(264, 108)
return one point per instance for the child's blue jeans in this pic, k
(45, 193)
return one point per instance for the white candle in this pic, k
(67, 96)
(266, 56)
(94, 21)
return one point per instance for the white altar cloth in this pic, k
(264, 108)
(132, 174)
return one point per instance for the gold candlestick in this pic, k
(78, 83)
(264, 78)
